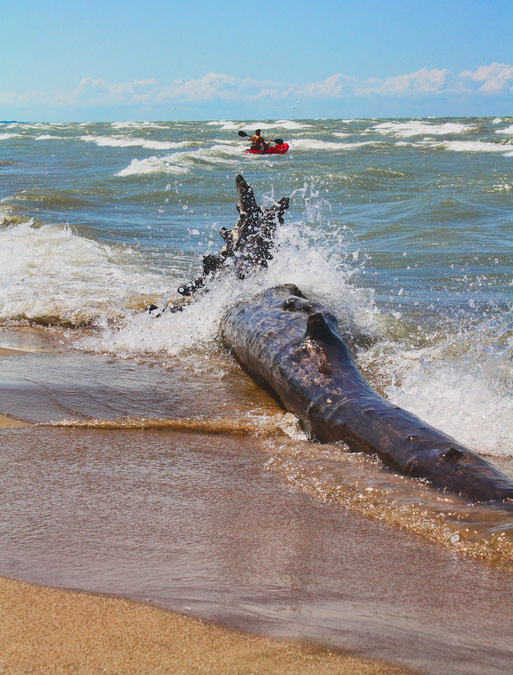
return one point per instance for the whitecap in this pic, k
(315, 144)
(420, 128)
(473, 146)
(508, 131)
(137, 125)
(461, 384)
(182, 162)
(288, 125)
(52, 272)
(124, 142)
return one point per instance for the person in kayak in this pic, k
(257, 142)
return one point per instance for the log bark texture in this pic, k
(293, 344)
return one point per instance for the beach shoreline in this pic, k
(245, 550)
(47, 630)
(50, 630)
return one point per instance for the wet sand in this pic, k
(195, 523)
(47, 630)
(43, 630)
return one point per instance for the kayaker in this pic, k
(257, 142)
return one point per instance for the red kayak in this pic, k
(272, 150)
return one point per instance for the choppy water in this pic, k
(402, 228)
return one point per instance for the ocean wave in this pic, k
(250, 425)
(420, 128)
(141, 167)
(320, 271)
(315, 144)
(358, 482)
(48, 137)
(37, 126)
(472, 146)
(289, 125)
(500, 187)
(8, 217)
(124, 142)
(49, 274)
(137, 125)
(68, 199)
(508, 131)
(183, 162)
(462, 382)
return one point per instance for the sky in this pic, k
(104, 60)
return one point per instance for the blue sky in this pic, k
(71, 60)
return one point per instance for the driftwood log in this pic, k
(248, 245)
(293, 344)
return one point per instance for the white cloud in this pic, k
(333, 87)
(495, 80)
(423, 82)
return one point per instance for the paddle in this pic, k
(278, 141)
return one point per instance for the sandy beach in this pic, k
(43, 630)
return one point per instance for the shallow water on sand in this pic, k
(235, 524)
(195, 523)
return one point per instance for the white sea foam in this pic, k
(315, 144)
(227, 126)
(463, 385)
(472, 146)
(5, 137)
(508, 131)
(419, 128)
(137, 125)
(320, 271)
(140, 167)
(289, 125)
(182, 162)
(124, 142)
(48, 137)
(52, 272)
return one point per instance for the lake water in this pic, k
(402, 228)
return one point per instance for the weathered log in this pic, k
(293, 344)
(249, 242)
